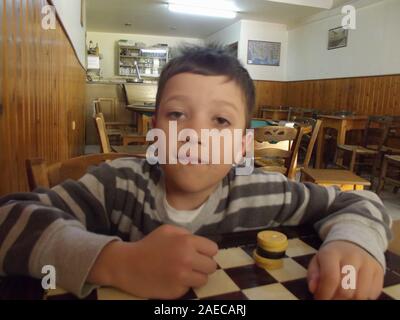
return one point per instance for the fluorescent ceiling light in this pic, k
(153, 50)
(324, 4)
(219, 9)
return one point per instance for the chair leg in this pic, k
(336, 156)
(339, 155)
(381, 182)
(353, 161)
(377, 163)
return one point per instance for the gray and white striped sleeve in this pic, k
(66, 227)
(357, 216)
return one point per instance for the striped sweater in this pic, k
(69, 225)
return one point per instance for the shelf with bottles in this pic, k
(129, 70)
(150, 61)
(129, 52)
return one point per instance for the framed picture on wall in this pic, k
(264, 53)
(337, 38)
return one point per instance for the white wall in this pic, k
(108, 46)
(245, 30)
(373, 48)
(263, 31)
(229, 35)
(69, 12)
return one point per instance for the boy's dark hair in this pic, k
(210, 60)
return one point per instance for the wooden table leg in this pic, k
(140, 123)
(341, 136)
(341, 139)
(382, 176)
(320, 147)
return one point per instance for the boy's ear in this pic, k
(247, 142)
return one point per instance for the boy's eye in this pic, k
(222, 121)
(175, 115)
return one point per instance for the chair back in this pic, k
(97, 106)
(310, 136)
(378, 127)
(102, 133)
(274, 134)
(40, 174)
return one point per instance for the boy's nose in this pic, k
(195, 127)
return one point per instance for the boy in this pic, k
(142, 227)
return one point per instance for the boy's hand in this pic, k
(164, 265)
(325, 272)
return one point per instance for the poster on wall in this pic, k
(337, 38)
(264, 53)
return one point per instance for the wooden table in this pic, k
(345, 180)
(139, 150)
(144, 113)
(237, 277)
(261, 122)
(274, 114)
(342, 125)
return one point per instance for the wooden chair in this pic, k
(375, 123)
(389, 162)
(300, 113)
(143, 120)
(123, 130)
(113, 128)
(40, 174)
(136, 138)
(105, 146)
(344, 179)
(310, 136)
(392, 143)
(294, 112)
(270, 158)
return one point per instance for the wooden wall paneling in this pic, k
(42, 92)
(370, 95)
(2, 64)
(270, 93)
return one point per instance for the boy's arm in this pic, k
(66, 227)
(358, 216)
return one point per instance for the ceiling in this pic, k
(153, 17)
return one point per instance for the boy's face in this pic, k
(200, 102)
